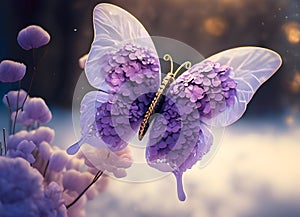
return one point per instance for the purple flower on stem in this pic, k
(53, 196)
(11, 71)
(103, 159)
(82, 180)
(35, 110)
(12, 98)
(41, 134)
(24, 150)
(33, 37)
(58, 160)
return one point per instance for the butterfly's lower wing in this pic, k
(89, 131)
(177, 139)
(250, 68)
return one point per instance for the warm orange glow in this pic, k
(290, 120)
(215, 26)
(295, 83)
(292, 32)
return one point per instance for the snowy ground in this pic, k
(255, 173)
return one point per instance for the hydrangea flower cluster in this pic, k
(174, 135)
(37, 178)
(131, 63)
(209, 85)
(133, 74)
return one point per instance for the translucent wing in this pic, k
(89, 131)
(123, 63)
(251, 67)
(114, 28)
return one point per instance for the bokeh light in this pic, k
(295, 83)
(215, 26)
(292, 32)
(290, 120)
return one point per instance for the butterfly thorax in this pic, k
(162, 89)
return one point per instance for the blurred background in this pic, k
(256, 171)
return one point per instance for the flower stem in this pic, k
(10, 112)
(32, 78)
(4, 141)
(45, 170)
(97, 176)
(17, 111)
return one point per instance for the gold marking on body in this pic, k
(164, 85)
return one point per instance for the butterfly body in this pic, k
(162, 89)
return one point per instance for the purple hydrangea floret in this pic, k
(131, 63)
(133, 74)
(33, 37)
(209, 85)
(11, 71)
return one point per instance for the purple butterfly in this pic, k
(124, 66)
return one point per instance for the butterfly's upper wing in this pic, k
(113, 29)
(250, 68)
(123, 63)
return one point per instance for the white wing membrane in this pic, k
(251, 67)
(87, 121)
(113, 27)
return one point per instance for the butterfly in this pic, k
(124, 67)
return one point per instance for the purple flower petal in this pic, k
(11, 71)
(33, 37)
(24, 150)
(22, 191)
(57, 161)
(82, 180)
(45, 150)
(42, 134)
(13, 96)
(37, 110)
